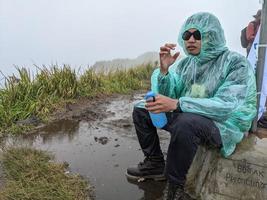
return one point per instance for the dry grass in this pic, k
(32, 175)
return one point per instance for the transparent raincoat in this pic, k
(217, 83)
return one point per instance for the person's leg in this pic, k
(146, 133)
(187, 132)
(153, 166)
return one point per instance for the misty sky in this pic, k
(80, 32)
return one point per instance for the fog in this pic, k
(82, 32)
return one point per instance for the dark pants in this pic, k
(187, 131)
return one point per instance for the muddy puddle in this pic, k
(100, 150)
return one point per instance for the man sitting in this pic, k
(209, 98)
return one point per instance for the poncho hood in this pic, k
(212, 36)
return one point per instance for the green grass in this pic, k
(32, 175)
(53, 86)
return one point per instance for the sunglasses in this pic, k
(187, 35)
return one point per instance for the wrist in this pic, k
(164, 72)
(176, 105)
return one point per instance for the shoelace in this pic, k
(179, 194)
(166, 192)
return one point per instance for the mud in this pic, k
(98, 140)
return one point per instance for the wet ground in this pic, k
(100, 149)
(99, 143)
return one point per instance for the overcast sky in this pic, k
(80, 32)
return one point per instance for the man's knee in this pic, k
(186, 127)
(186, 121)
(140, 115)
(137, 112)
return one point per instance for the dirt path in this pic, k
(98, 140)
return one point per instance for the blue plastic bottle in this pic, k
(159, 120)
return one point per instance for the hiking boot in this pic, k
(175, 192)
(150, 168)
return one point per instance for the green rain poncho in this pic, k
(217, 83)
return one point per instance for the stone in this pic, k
(32, 120)
(241, 176)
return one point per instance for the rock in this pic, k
(241, 176)
(101, 140)
(33, 120)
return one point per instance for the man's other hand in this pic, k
(166, 59)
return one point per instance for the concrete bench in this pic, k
(242, 176)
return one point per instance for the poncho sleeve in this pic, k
(168, 85)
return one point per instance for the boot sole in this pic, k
(143, 178)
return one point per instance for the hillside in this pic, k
(124, 63)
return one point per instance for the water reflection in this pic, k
(57, 130)
(104, 165)
(153, 190)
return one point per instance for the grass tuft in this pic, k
(31, 175)
(24, 97)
